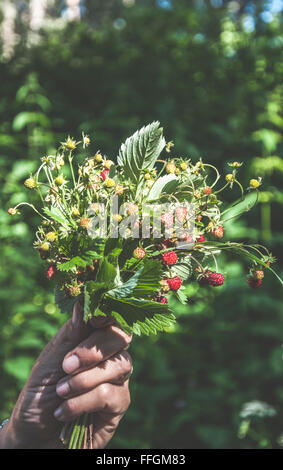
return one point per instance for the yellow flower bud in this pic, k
(171, 168)
(76, 211)
(117, 217)
(108, 164)
(45, 246)
(229, 177)
(98, 157)
(30, 183)
(183, 166)
(109, 182)
(59, 180)
(119, 189)
(254, 183)
(70, 144)
(51, 236)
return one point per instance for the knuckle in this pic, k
(104, 392)
(124, 364)
(70, 407)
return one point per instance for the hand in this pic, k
(84, 368)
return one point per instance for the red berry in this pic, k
(201, 239)
(217, 232)
(51, 272)
(207, 190)
(258, 274)
(215, 279)
(175, 283)
(161, 299)
(169, 258)
(104, 174)
(254, 283)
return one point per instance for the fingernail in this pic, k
(62, 389)
(58, 413)
(71, 364)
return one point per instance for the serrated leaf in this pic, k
(64, 302)
(57, 215)
(183, 269)
(93, 292)
(144, 283)
(81, 261)
(141, 150)
(139, 312)
(107, 272)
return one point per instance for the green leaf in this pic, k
(166, 184)
(240, 206)
(107, 272)
(57, 215)
(183, 269)
(93, 292)
(144, 283)
(141, 150)
(64, 302)
(142, 316)
(81, 261)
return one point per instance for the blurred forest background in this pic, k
(212, 73)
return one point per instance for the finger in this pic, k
(117, 369)
(99, 346)
(105, 426)
(109, 398)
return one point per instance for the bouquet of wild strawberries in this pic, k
(119, 238)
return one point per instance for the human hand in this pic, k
(85, 368)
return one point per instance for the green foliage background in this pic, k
(215, 84)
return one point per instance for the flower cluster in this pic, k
(72, 198)
(122, 238)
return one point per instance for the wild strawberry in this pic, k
(74, 291)
(217, 232)
(139, 253)
(132, 208)
(51, 272)
(45, 246)
(215, 279)
(161, 299)
(30, 183)
(167, 219)
(104, 174)
(201, 239)
(12, 211)
(207, 190)
(181, 213)
(258, 274)
(85, 223)
(174, 283)
(186, 237)
(254, 283)
(164, 285)
(170, 258)
(171, 168)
